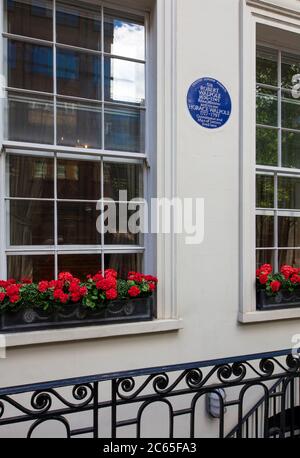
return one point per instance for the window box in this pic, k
(282, 300)
(74, 315)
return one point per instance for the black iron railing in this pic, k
(246, 396)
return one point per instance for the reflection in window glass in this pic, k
(30, 66)
(78, 26)
(264, 231)
(266, 107)
(266, 66)
(289, 257)
(264, 191)
(289, 193)
(124, 36)
(78, 180)
(290, 111)
(30, 119)
(31, 222)
(289, 231)
(78, 74)
(80, 265)
(124, 263)
(124, 129)
(124, 81)
(266, 146)
(79, 125)
(264, 257)
(291, 149)
(122, 177)
(77, 223)
(289, 68)
(30, 18)
(33, 267)
(31, 177)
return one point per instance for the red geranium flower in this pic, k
(111, 294)
(275, 286)
(134, 291)
(2, 297)
(43, 286)
(264, 278)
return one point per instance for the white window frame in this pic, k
(274, 14)
(161, 51)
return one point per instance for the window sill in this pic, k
(93, 332)
(269, 315)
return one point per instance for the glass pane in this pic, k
(289, 231)
(78, 74)
(78, 180)
(124, 129)
(291, 149)
(266, 66)
(124, 263)
(30, 119)
(124, 81)
(30, 18)
(264, 191)
(266, 146)
(31, 222)
(118, 233)
(31, 177)
(36, 268)
(77, 223)
(290, 111)
(124, 36)
(78, 26)
(264, 257)
(80, 265)
(289, 193)
(123, 177)
(30, 66)
(289, 257)
(290, 67)
(264, 231)
(266, 106)
(79, 125)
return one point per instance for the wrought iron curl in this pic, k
(194, 378)
(267, 366)
(224, 373)
(1, 409)
(161, 383)
(41, 401)
(293, 363)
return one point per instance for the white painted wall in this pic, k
(207, 275)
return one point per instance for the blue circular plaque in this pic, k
(209, 103)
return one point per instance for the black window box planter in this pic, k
(282, 300)
(75, 315)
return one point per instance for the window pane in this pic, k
(124, 263)
(30, 18)
(291, 149)
(266, 66)
(290, 67)
(80, 265)
(264, 257)
(124, 129)
(124, 81)
(77, 223)
(264, 231)
(267, 106)
(35, 267)
(78, 26)
(124, 36)
(290, 111)
(30, 119)
(31, 222)
(31, 177)
(266, 146)
(30, 66)
(264, 191)
(289, 257)
(78, 74)
(120, 235)
(123, 177)
(289, 193)
(79, 125)
(289, 231)
(78, 180)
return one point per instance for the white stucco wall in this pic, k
(207, 275)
